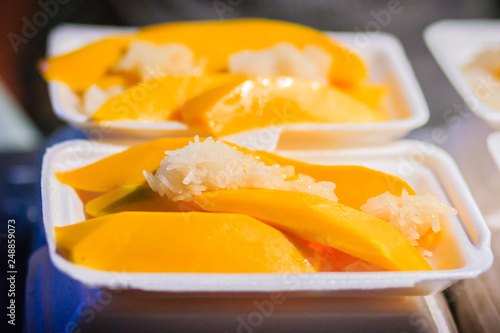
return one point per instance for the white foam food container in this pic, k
(494, 147)
(464, 252)
(383, 53)
(454, 43)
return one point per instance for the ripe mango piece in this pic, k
(333, 260)
(84, 67)
(211, 41)
(265, 101)
(217, 40)
(124, 168)
(368, 93)
(157, 99)
(181, 242)
(116, 79)
(134, 198)
(316, 219)
(354, 184)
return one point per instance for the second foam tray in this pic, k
(463, 253)
(383, 54)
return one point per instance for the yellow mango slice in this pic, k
(181, 242)
(84, 67)
(368, 93)
(354, 184)
(134, 198)
(211, 41)
(265, 101)
(215, 41)
(321, 220)
(116, 79)
(125, 168)
(333, 260)
(157, 99)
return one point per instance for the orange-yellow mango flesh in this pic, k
(134, 198)
(321, 220)
(181, 242)
(86, 66)
(124, 168)
(211, 41)
(157, 99)
(117, 79)
(333, 260)
(354, 184)
(265, 101)
(217, 40)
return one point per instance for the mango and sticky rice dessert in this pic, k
(219, 77)
(200, 205)
(483, 75)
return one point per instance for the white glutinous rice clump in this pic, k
(284, 59)
(94, 97)
(213, 165)
(151, 60)
(411, 215)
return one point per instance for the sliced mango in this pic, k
(215, 41)
(84, 67)
(125, 168)
(181, 242)
(134, 198)
(157, 99)
(321, 220)
(265, 101)
(333, 260)
(116, 79)
(368, 93)
(211, 41)
(354, 184)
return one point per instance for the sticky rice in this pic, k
(149, 60)
(411, 215)
(213, 165)
(283, 59)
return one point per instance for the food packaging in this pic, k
(388, 64)
(494, 147)
(427, 168)
(454, 43)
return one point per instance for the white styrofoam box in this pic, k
(494, 147)
(454, 43)
(464, 252)
(383, 53)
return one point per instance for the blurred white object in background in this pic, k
(17, 132)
